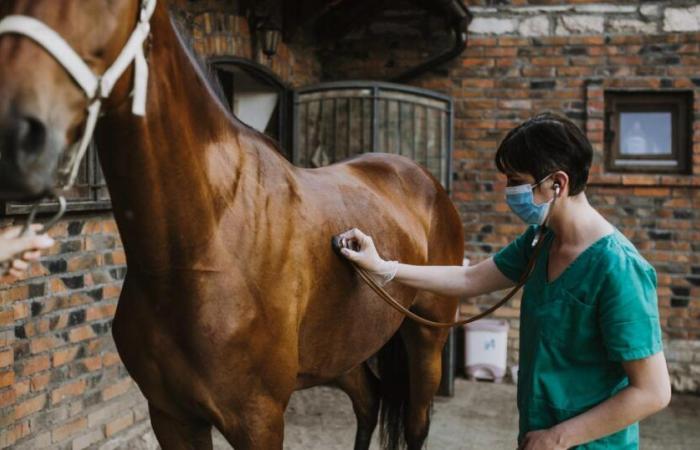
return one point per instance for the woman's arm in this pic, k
(649, 391)
(466, 281)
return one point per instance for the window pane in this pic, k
(645, 133)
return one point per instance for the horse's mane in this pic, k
(179, 20)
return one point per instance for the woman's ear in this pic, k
(560, 183)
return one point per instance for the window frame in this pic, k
(678, 103)
(285, 92)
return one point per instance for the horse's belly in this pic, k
(339, 333)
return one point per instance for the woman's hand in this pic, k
(21, 250)
(359, 248)
(543, 440)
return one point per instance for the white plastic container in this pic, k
(485, 347)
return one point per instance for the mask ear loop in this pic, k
(541, 231)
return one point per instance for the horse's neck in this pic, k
(173, 173)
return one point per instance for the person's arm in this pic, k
(21, 250)
(467, 281)
(649, 391)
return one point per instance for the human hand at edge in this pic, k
(359, 248)
(21, 250)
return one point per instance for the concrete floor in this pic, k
(480, 416)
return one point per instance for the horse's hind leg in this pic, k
(362, 387)
(176, 434)
(424, 351)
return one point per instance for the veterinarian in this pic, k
(20, 251)
(591, 362)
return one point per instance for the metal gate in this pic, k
(334, 121)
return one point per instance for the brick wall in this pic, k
(529, 56)
(218, 30)
(562, 59)
(62, 384)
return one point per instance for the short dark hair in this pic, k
(544, 144)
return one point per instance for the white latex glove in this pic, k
(359, 248)
(21, 250)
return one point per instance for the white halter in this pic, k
(95, 87)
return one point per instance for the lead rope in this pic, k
(384, 295)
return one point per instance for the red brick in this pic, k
(7, 317)
(40, 381)
(30, 406)
(81, 333)
(21, 311)
(64, 355)
(119, 424)
(41, 344)
(7, 378)
(13, 294)
(7, 397)
(477, 62)
(21, 387)
(110, 359)
(100, 312)
(65, 431)
(35, 364)
(116, 389)
(6, 358)
(111, 291)
(548, 61)
(67, 390)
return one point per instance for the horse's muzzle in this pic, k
(27, 162)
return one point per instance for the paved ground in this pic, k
(480, 416)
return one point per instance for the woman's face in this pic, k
(542, 192)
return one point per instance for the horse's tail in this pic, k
(394, 391)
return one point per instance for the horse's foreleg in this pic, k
(424, 350)
(362, 387)
(176, 434)
(259, 425)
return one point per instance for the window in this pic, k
(88, 193)
(255, 96)
(648, 131)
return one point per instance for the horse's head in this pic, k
(43, 107)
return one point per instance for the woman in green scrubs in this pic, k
(591, 363)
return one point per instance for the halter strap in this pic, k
(95, 87)
(54, 44)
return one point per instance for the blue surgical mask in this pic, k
(522, 202)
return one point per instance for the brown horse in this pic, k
(233, 297)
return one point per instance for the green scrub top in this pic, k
(576, 330)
